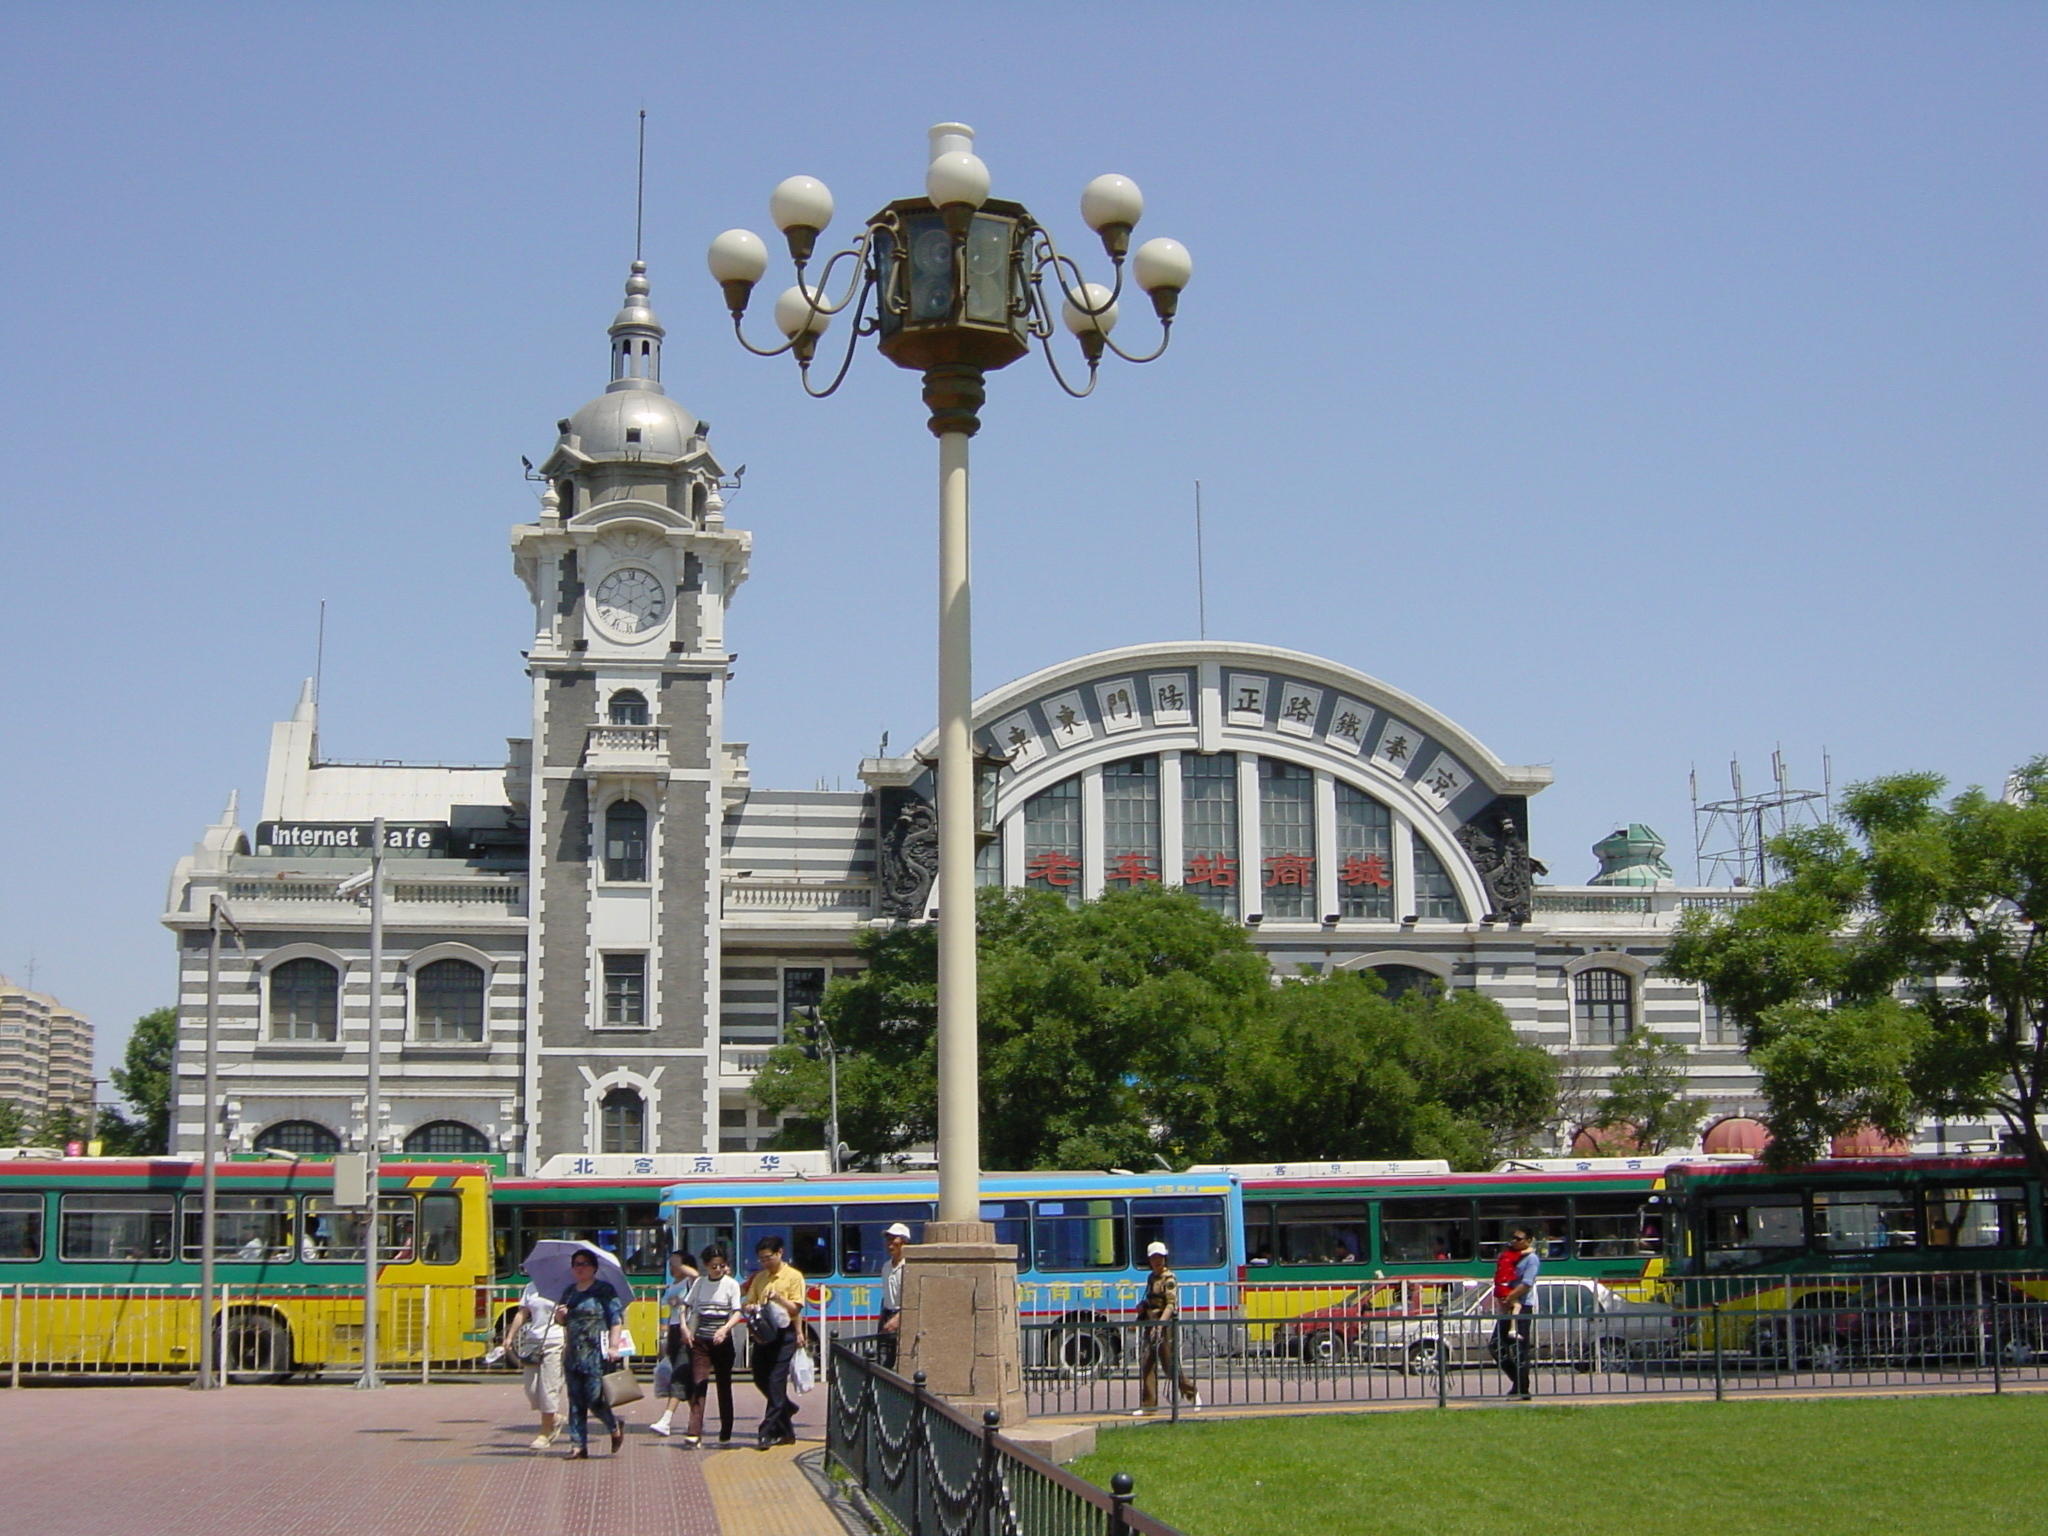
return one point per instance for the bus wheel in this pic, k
(1081, 1351)
(1321, 1348)
(255, 1349)
(1425, 1357)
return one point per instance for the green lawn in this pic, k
(1862, 1467)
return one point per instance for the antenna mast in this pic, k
(640, 187)
(1201, 573)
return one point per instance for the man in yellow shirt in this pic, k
(776, 1293)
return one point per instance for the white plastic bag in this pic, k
(803, 1371)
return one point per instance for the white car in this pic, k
(1579, 1321)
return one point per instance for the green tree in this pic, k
(1897, 970)
(56, 1125)
(1332, 1068)
(1103, 1032)
(13, 1124)
(144, 1080)
(1647, 1091)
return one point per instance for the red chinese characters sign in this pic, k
(1369, 869)
(1215, 870)
(1057, 869)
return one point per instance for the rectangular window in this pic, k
(803, 986)
(116, 1228)
(1208, 793)
(1543, 1216)
(988, 862)
(1365, 856)
(1425, 1231)
(1012, 1221)
(1323, 1232)
(1073, 1235)
(707, 1229)
(333, 1234)
(448, 997)
(1977, 1218)
(1258, 1234)
(863, 1250)
(1717, 1030)
(625, 991)
(805, 1230)
(1052, 840)
(1436, 898)
(1287, 839)
(1130, 823)
(1602, 1002)
(1859, 1220)
(21, 1227)
(441, 1228)
(1743, 1230)
(1610, 1227)
(247, 1229)
(1191, 1226)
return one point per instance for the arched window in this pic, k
(1403, 979)
(1436, 894)
(1052, 840)
(629, 707)
(1603, 1005)
(305, 1000)
(448, 1003)
(622, 1122)
(625, 841)
(448, 1138)
(304, 1137)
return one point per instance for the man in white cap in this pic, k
(894, 1237)
(1161, 1303)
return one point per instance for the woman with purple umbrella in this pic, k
(593, 1317)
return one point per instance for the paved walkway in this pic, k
(407, 1461)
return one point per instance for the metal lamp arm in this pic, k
(855, 330)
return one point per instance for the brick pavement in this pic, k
(325, 1460)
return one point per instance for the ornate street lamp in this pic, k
(953, 284)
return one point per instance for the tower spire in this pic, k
(636, 338)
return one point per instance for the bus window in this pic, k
(1543, 1215)
(506, 1252)
(643, 1241)
(1258, 1233)
(696, 1236)
(333, 1234)
(21, 1227)
(1012, 1220)
(102, 1227)
(862, 1249)
(1079, 1234)
(805, 1230)
(1611, 1227)
(441, 1228)
(1425, 1231)
(597, 1225)
(1191, 1226)
(1325, 1232)
(1752, 1229)
(1971, 1218)
(1858, 1220)
(247, 1229)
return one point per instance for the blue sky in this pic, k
(1638, 384)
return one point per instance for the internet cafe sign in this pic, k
(346, 837)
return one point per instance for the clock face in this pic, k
(631, 601)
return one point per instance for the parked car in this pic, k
(1577, 1321)
(1327, 1335)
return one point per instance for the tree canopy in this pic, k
(1647, 1094)
(144, 1080)
(1896, 971)
(1144, 1027)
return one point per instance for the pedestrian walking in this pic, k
(774, 1298)
(1514, 1293)
(893, 1238)
(1157, 1309)
(671, 1371)
(534, 1339)
(593, 1316)
(711, 1311)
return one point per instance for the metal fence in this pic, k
(1720, 1337)
(262, 1333)
(935, 1472)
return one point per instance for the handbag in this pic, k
(527, 1348)
(803, 1371)
(620, 1387)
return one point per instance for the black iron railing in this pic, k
(935, 1472)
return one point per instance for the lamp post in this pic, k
(954, 285)
(368, 887)
(819, 1033)
(217, 918)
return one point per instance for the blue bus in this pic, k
(1080, 1237)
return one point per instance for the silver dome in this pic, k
(665, 428)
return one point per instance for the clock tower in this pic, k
(630, 568)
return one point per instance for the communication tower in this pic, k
(1730, 836)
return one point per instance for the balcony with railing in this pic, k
(626, 749)
(748, 898)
